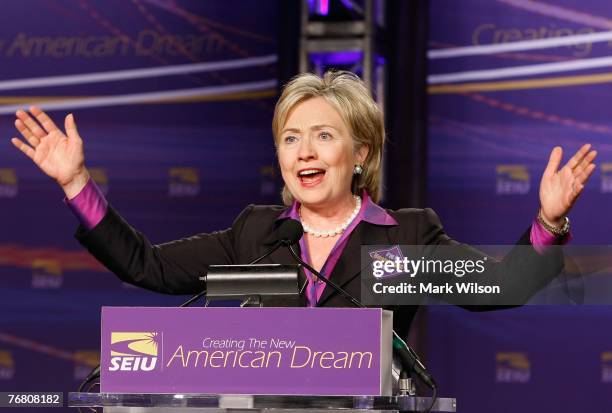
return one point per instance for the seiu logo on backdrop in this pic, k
(512, 368)
(84, 362)
(606, 367)
(512, 179)
(134, 351)
(46, 273)
(7, 365)
(268, 180)
(183, 182)
(100, 178)
(8, 183)
(606, 177)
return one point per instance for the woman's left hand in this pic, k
(560, 188)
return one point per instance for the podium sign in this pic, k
(285, 351)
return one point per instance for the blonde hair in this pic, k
(347, 93)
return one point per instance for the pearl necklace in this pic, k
(339, 229)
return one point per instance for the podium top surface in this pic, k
(211, 402)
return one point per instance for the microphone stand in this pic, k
(408, 357)
(327, 281)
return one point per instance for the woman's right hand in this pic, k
(58, 155)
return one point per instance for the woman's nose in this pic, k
(306, 150)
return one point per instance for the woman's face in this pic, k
(316, 153)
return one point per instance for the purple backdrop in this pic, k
(159, 159)
(489, 140)
(177, 164)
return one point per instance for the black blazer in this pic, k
(174, 267)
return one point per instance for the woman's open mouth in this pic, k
(311, 177)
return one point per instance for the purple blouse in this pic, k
(369, 212)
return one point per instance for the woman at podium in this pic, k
(329, 136)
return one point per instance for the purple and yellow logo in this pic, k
(84, 362)
(8, 183)
(134, 351)
(606, 177)
(183, 182)
(46, 273)
(512, 367)
(383, 262)
(100, 178)
(7, 365)
(268, 184)
(512, 179)
(606, 367)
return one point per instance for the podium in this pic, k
(187, 403)
(248, 359)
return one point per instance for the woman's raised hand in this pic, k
(58, 155)
(560, 188)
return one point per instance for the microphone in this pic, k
(288, 233)
(407, 355)
(411, 360)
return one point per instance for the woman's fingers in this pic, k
(578, 156)
(26, 133)
(585, 174)
(44, 119)
(28, 150)
(71, 128)
(31, 124)
(554, 161)
(586, 161)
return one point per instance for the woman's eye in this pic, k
(290, 139)
(325, 136)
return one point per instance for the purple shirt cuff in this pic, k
(540, 238)
(89, 205)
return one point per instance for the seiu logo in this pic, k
(183, 182)
(606, 177)
(512, 367)
(606, 367)
(100, 178)
(46, 273)
(84, 361)
(133, 351)
(8, 183)
(268, 180)
(7, 365)
(512, 179)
